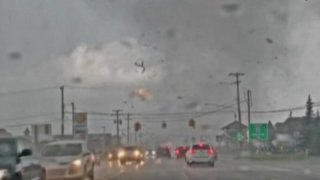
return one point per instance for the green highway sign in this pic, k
(258, 131)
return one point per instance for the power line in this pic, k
(26, 91)
(99, 88)
(29, 116)
(26, 124)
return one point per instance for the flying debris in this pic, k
(140, 65)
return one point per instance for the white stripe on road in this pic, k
(305, 171)
(184, 176)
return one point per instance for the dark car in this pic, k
(17, 161)
(163, 152)
(130, 153)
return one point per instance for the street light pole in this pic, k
(128, 129)
(72, 105)
(104, 139)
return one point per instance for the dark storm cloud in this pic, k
(200, 45)
(191, 106)
(76, 80)
(269, 40)
(224, 43)
(170, 33)
(230, 7)
(15, 56)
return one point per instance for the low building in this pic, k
(292, 126)
(231, 130)
(4, 133)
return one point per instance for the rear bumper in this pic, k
(65, 178)
(63, 174)
(131, 159)
(201, 160)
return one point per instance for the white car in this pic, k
(67, 160)
(200, 153)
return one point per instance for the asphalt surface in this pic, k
(226, 168)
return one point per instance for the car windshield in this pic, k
(242, 75)
(61, 150)
(7, 147)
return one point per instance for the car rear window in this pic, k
(201, 147)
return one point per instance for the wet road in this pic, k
(225, 169)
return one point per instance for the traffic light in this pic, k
(164, 125)
(137, 126)
(192, 123)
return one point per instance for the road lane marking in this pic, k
(244, 168)
(307, 171)
(184, 176)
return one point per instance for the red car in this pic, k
(181, 151)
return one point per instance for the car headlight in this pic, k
(77, 162)
(109, 155)
(136, 153)
(4, 174)
(120, 154)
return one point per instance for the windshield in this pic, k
(62, 150)
(8, 147)
(242, 75)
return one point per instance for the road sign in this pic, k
(80, 125)
(239, 136)
(258, 131)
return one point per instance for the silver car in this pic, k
(200, 153)
(68, 160)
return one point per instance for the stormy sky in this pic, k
(106, 52)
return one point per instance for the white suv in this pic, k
(200, 153)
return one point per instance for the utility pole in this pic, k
(249, 106)
(104, 139)
(72, 105)
(237, 75)
(128, 129)
(62, 110)
(135, 137)
(140, 139)
(117, 121)
(249, 103)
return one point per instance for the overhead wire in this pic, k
(27, 90)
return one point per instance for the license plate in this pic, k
(202, 154)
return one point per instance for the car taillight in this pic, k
(177, 151)
(210, 152)
(192, 152)
(93, 158)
